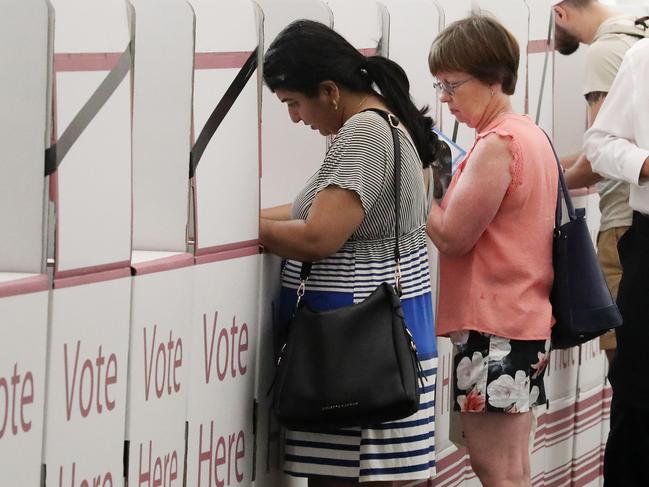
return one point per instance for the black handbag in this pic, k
(581, 300)
(352, 366)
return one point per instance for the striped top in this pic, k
(361, 159)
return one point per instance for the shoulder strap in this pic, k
(639, 28)
(394, 123)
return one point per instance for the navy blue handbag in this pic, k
(581, 300)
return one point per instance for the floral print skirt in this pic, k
(497, 374)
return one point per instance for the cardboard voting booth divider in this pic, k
(23, 332)
(161, 311)
(89, 317)
(363, 23)
(162, 111)
(226, 185)
(286, 166)
(455, 10)
(540, 64)
(24, 129)
(162, 282)
(224, 331)
(25, 56)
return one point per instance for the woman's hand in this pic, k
(333, 217)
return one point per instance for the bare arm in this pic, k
(277, 213)
(475, 200)
(581, 173)
(333, 217)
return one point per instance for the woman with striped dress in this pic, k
(343, 222)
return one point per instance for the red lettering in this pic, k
(89, 389)
(16, 400)
(178, 362)
(105, 480)
(243, 347)
(222, 458)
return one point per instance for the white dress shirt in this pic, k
(618, 142)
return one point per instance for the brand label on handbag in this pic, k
(340, 406)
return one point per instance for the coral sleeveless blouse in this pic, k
(502, 285)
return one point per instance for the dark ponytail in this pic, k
(392, 82)
(306, 53)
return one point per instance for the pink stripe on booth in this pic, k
(85, 61)
(25, 285)
(225, 247)
(227, 255)
(538, 46)
(163, 264)
(220, 60)
(81, 271)
(80, 280)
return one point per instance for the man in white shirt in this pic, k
(608, 35)
(617, 146)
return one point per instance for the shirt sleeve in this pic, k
(602, 61)
(610, 144)
(357, 160)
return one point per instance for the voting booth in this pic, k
(90, 160)
(24, 286)
(161, 286)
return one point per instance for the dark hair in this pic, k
(480, 46)
(306, 53)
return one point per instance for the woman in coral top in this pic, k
(494, 233)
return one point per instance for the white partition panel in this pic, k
(85, 408)
(290, 153)
(161, 307)
(444, 394)
(540, 63)
(592, 366)
(222, 355)
(515, 16)
(569, 104)
(559, 441)
(413, 26)
(93, 184)
(361, 23)
(23, 332)
(586, 462)
(227, 179)
(269, 433)
(24, 57)
(455, 10)
(161, 123)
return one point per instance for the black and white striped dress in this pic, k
(361, 159)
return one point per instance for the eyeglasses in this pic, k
(449, 88)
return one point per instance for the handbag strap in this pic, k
(394, 123)
(562, 192)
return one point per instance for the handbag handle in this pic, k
(394, 123)
(563, 191)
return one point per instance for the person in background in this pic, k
(494, 231)
(608, 34)
(618, 147)
(343, 222)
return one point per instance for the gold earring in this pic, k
(335, 104)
